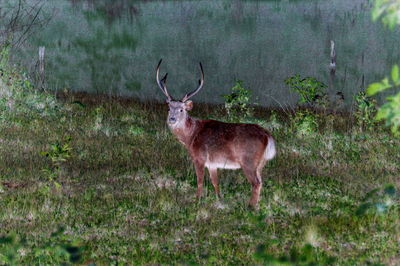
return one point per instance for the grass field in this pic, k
(92, 179)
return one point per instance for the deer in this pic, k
(218, 145)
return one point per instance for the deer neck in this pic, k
(184, 132)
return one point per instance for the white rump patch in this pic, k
(270, 151)
(222, 164)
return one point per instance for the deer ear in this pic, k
(188, 105)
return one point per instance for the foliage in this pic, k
(365, 112)
(311, 90)
(388, 11)
(390, 111)
(306, 122)
(58, 248)
(58, 154)
(237, 103)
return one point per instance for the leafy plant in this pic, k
(305, 122)
(389, 12)
(58, 154)
(237, 103)
(390, 111)
(366, 109)
(311, 90)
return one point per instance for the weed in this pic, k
(310, 90)
(312, 93)
(305, 122)
(365, 112)
(58, 154)
(237, 103)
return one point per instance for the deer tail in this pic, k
(270, 150)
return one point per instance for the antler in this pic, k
(201, 82)
(161, 83)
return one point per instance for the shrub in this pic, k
(305, 122)
(311, 90)
(237, 103)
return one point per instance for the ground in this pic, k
(88, 178)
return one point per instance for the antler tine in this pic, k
(161, 83)
(201, 83)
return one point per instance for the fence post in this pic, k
(332, 65)
(42, 75)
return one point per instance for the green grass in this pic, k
(125, 191)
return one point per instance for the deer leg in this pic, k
(256, 184)
(259, 178)
(214, 180)
(200, 177)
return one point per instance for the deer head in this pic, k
(178, 109)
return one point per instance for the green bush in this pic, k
(237, 103)
(310, 90)
(305, 122)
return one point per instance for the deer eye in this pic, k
(181, 110)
